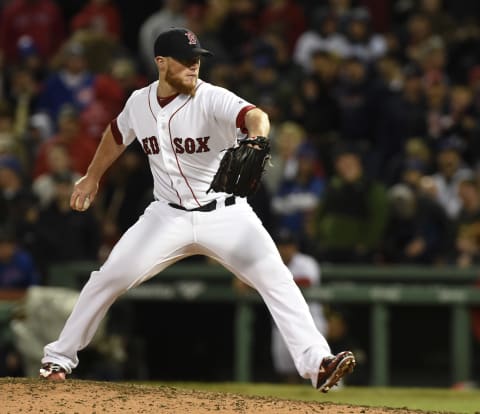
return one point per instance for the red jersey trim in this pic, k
(165, 101)
(240, 122)
(149, 104)
(117, 135)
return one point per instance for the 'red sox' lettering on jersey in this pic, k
(190, 145)
(150, 145)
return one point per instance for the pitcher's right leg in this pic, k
(155, 241)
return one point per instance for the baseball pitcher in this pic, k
(202, 173)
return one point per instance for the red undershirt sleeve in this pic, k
(240, 122)
(116, 132)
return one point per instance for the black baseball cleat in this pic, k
(333, 369)
(53, 372)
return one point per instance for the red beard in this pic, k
(179, 85)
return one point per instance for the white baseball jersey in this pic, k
(184, 146)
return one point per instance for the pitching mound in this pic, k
(87, 397)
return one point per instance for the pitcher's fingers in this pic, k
(82, 202)
(73, 199)
(78, 202)
(86, 203)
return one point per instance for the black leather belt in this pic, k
(229, 201)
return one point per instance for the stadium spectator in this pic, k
(286, 18)
(325, 69)
(59, 163)
(451, 171)
(461, 120)
(17, 268)
(318, 107)
(170, 14)
(23, 94)
(297, 198)
(322, 35)
(464, 50)
(23, 98)
(126, 192)
(351, 217)
(362, 43)
(315, 109)
(341, 9)
(467, 225)
(10, 143)
(436, 93)
(417, 31)
(442, 22)
(474, 85)
(79, 145)
(273, 109)
(410, 165)
(412, 108)
(18, 205)
(71, 84)
(30, 59)
(284, 65)
(239, 28)
(263, 79)
(111, 90)
(387, 134)
(100, 16)
(354, 99)
(17, 271)
(41, 20)
(288, 137)
(63, 234)
(417, 230)
(432, 57)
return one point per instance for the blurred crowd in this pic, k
(374, 106)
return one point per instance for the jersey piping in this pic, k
(149, 104)
(176, 156)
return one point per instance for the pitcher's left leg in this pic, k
(236, 237)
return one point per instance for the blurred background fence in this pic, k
(442, 299)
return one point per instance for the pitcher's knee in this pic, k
(120, 281)
(267, 274)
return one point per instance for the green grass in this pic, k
(428, 399)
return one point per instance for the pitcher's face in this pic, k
(183, 75)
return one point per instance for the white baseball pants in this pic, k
(232, 235)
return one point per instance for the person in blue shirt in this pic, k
(72, 84)
(297, 198)
(17, 268)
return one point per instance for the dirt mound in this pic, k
(88, 397)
